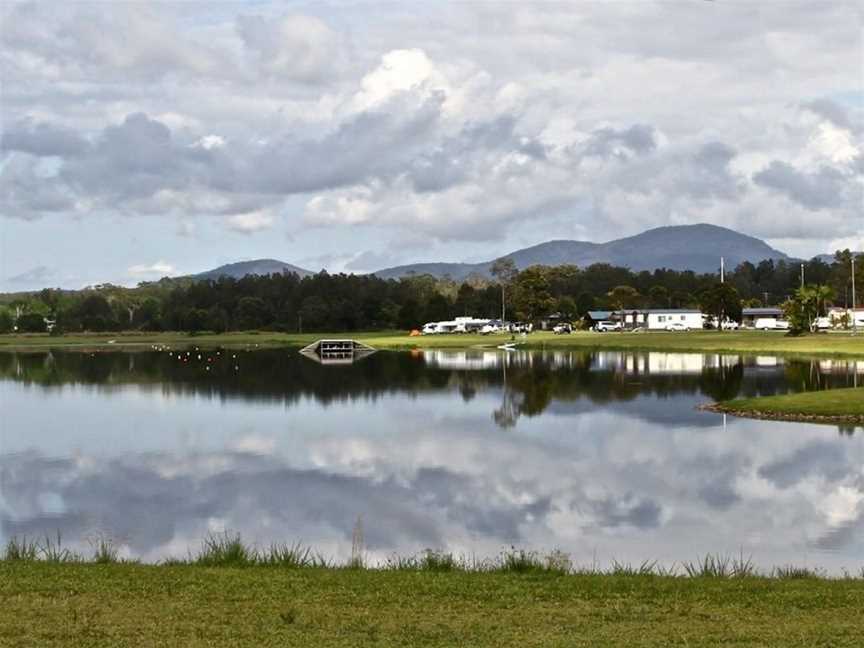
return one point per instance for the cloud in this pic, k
(452, 126)
(823, 189)
(250, 222)
(42, 139)
(160, 268)
(833, 112)
(296, 47)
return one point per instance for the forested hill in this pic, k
(257, 267)
(684, 247)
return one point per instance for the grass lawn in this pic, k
(830, 405)
(753, 342)
(46, 605)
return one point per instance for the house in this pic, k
(593, 318)
(750, 315)
(661, 319)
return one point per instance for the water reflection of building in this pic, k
(463, 360)
(479, 360)
(658, 363)
(842, 366)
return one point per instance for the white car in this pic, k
(562, 329)
(486, 329)
(677, 326)
(602, 327)
(821, 324)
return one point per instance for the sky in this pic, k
(147, 139)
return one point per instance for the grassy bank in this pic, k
(229, 593)
(831, 406)
(50, 605)
(748, 342)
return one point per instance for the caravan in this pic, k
(458, 325)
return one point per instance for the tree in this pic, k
(6, 321)
(805, 306)
(31, 323)
(95, 313)
(658, 296)
(721, 301)
(584, 303)
(504, 270)
(822, 293)
(314, 312)
(567, 307)
(438, 308)
(148, 314)
(623, 297)
(251, 313)
(409, 314)
(533, 299)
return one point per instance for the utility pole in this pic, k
(802, 275)
(722, 270)
(765, 298)
(854, 320)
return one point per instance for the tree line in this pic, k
(339, 302)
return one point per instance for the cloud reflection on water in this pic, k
(633, 474)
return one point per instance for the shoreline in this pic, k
(826, 346)
(841, 406)
(800, 417)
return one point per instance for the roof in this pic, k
(761, 311)
(661, 311)
(599, 315)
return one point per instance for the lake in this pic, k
(602, 455)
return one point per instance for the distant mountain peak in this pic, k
(696, 247)
(241, 269)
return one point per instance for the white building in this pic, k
(663, 319)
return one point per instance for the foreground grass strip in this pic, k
(738, 342)
(830, 406)
(73, 604)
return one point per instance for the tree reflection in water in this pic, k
(528, 382)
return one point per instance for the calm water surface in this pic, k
(603, 455)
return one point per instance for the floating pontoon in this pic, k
(337, 351)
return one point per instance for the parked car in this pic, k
(677, 326)
(602, 327)
(771, 324)
(562, 329)
(822, 324)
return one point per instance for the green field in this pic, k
(833, 405)
(749, 342)
(48, 605)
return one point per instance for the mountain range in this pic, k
(682, 247)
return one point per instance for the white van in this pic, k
(771, 324)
